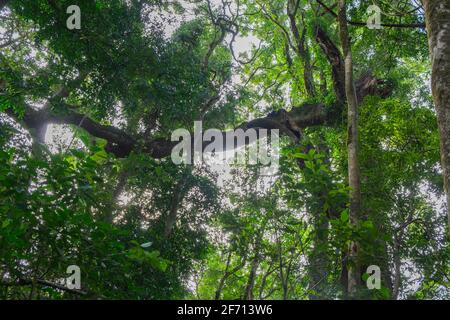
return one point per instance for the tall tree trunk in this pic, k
(222, 280)
(319, 260)
(318, 269)
(301, 47)
(227, 274)
(252, 277)
(248, 295)
(354, 274)
(437, 14)
(269, 271)
(283, 278)
(397, 265)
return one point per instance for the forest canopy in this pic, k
(356, 93)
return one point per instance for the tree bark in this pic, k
(121, 144)
(269, 271)
(319, 261)
(301, 48)
(248, 294)
(354, 274)
(227, 274)
(397, 266)
(336, 61)
(252, 277)
(437, 16)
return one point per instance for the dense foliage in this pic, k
(85, 178)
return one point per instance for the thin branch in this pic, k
(363, 24)
(27, 282)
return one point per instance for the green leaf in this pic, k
(301, 155)
(344, 216)
(6, 223)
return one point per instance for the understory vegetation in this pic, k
(87, 179)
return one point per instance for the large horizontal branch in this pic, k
(289, 123)
(119, 142)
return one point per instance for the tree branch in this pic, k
(27, 282)
(336, 61)
(364, 24)
(121, 144)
